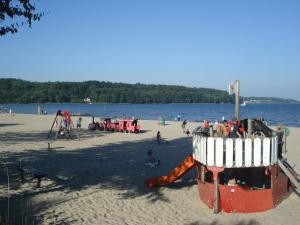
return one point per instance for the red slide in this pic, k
(175, 174)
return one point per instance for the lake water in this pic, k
(286, 114)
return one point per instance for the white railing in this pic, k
(235, 152)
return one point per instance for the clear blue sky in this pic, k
(192, 43)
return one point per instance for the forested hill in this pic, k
(20, 91)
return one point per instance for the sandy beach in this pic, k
(100, 179)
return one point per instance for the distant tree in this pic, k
(16, 13)
(19, 91)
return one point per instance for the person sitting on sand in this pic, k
(187, 132)
(151, 161)
(92, 126)
(158, 137)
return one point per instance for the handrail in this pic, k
(235, 152)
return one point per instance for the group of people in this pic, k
(64, 124)
(232, 129)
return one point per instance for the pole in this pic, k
(249, 127)
(39, 110)
(216, 195)
(202, 172)
(75, 129)
(284, 143)
(216, 171)
(52, 126)
(237, 100)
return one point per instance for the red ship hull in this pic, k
(245, 199)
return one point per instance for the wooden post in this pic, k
(202, 174)
(39, 179)
(52, 126)
(285, 151)
(216, 195)
(249, 128)
(211, 131)
(216, 171)
(21, 171)
(39, 112)
(237, 101)
(22, 175)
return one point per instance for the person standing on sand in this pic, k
(158, 137)
(183, 125)
(78, 125)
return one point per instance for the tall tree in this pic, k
(16, 13)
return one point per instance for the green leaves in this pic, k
(16, 13)
(19, 91)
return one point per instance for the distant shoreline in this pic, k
(101, 92)
(173, 103)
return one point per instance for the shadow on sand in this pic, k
(251, 222)
(9, 124)
(119, 166)
(17, 137)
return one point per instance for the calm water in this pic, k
(286, 114)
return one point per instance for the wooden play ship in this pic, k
(243, 174)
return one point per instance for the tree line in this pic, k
(20, 91)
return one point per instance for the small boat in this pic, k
(87, 100)
(244, 103)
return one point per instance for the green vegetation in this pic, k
(20, 91)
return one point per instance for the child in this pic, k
(158, 137)
(187, 132)
(79, 124)
(226, 129)
(151, 161)
(183, 125)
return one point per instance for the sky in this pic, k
(195, 43)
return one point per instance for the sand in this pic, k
(100, 179)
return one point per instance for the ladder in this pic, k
(291, 171)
